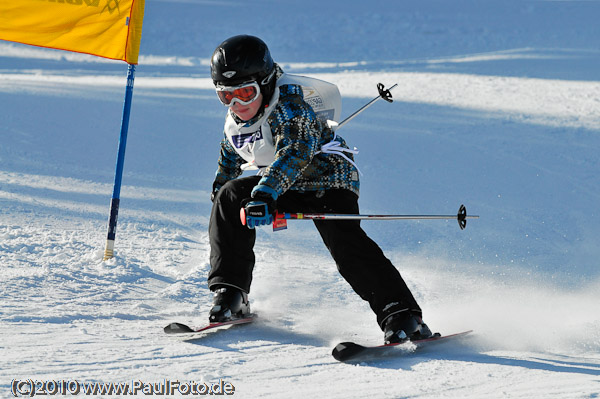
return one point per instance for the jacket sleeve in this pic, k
(228, 165)
(296, 135)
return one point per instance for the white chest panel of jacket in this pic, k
(254, 143)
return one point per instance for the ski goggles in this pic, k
(244, 94)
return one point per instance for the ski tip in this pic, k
(177, 328)
(346, 350)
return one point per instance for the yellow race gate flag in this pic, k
(105, 28)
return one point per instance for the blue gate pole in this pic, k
(114, 203)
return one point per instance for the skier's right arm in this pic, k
(228, 167)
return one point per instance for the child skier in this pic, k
(306, 168)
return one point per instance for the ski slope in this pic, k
(498, 107)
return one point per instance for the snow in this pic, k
(498, 107)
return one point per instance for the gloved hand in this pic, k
(260, 208)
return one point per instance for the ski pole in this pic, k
(383, 93)
(461, 217)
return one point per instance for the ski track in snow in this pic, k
(518, 148)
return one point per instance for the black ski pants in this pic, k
(359, 259)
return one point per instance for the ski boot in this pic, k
(403, 327)
(229, 303)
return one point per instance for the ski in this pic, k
(351, 351)
(180, 328)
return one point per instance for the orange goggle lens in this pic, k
(243, 94)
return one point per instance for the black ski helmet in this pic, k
(241, 59)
